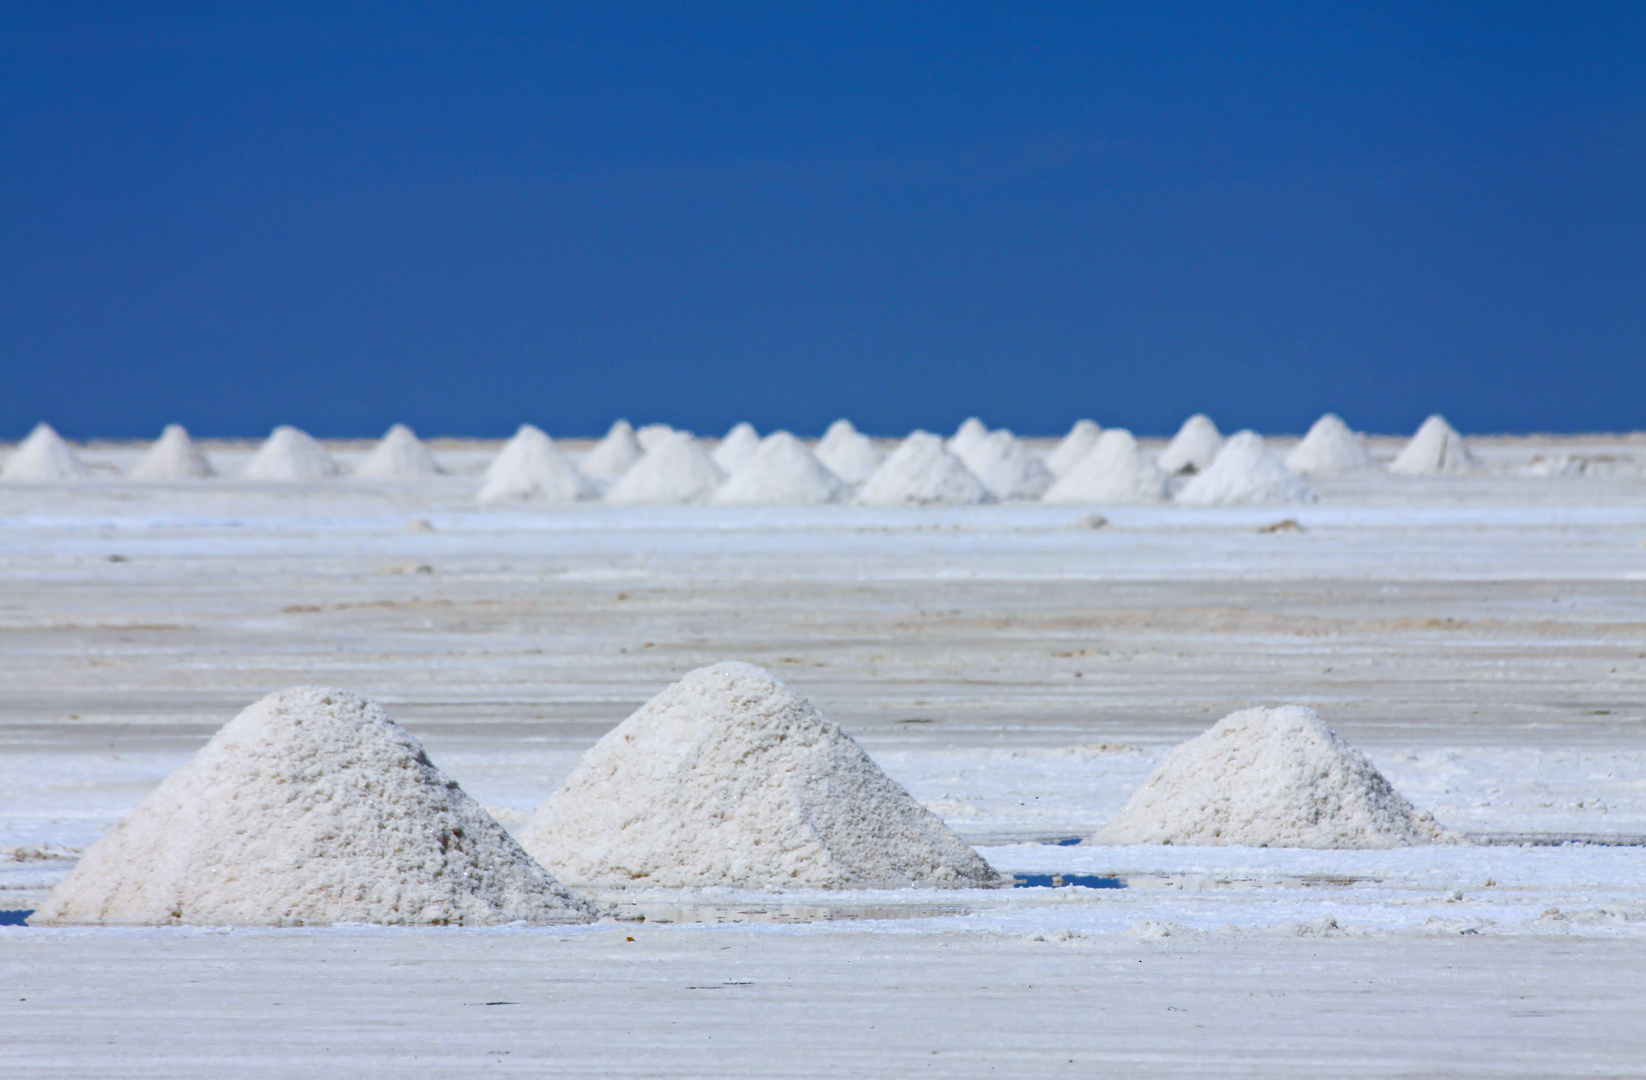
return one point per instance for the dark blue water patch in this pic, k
(15, 918)
(1067, 841)
(1059, 881)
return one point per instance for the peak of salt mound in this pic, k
(1193, 448)
(310, 807)
(652, 434)
(730, 778)
(848, 454)
(1329, 449)
(1245, 471)
(970, 432)
(531, 468)
(174, 457)
(1114, 471)
(1436, 449)
(675, 470)
(1075, 446)
(781, 472)
(1007, 468)
(922, 472)
(1270, 778)
(736, 448)
(290, 454)
(399, 455)
(613, 455)
(44, 456)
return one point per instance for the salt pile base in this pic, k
(1437, 449)
(1193, 448)
(613, 455)
(1075, 446)
(291, 455)
(1115, 471)
(399, 456)
(1007, 468)
(736, 448)
(531, 468)
(781, 472)
(1270, 778)
(849, 454)
(44, 456)
(730, 778)
(921, 473)
(1329, 449)
(1244, 471)
(674, 470)
(310, 807)
(174, 457)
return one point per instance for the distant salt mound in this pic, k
(44, 457)
(652, 434)
(613, 455)
(736, 448)
(1270, 778)
(530, 468)
(1075, 446)
(921, 473)
(1437, 449)
(399, 456)
(675, 470)
(290, 455)
(782, 472)
(1007, 468)
(849, 455)
(174, 457)
(1245, 471)
(1114, 471)
(730, 778)
(1329, 449)
(311, 807)
(970, 432)
(1193, 448)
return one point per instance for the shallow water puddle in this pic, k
(15, 918)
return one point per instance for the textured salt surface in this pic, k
(44, 456)
(613, 455)
(1075, 445)
(1194, 446)
(1245, 471)
(736, 448)
(674, 470)
(782, 472)
(531, 468)
(310, 807)
(922, 472)
(1114, 471)
(174, 457)
(730, 778)
(1007, 468)
(1269, 778)
(290, 455)
(1329, 449)
(399, 456)
(848, 454)
(1436, 449)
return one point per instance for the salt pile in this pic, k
(290, 454)
(674, 470)
(1329, 449)
(44, 456)
(921, 472)
(652, 434)
(1436, 449)
(531, 468)
(1270, 778)
(1007, 468)
(736, 448)
(1114, 471)
(174, 457)
(970, 432)
(1194, 446)
(1075, 446)
(399, 456)
(310, 807)
(848, 454)
(613, 455)
(730, 778)
(781, 472)
(1244, 471)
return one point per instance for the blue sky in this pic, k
(469, 216)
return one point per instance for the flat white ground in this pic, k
(1483, 639)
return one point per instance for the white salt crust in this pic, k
(848, 454)
(1007, 468)
(174, 457)
(1075, 445)
(674, 470)
(1245, 471)
(736, 448)
(44, 456)
(1437, 449)
(613, 455)
(531, 468)
(782, 472)
(1194, 446)
(730, 778)
(1114, 471)
(1329, 449)
(922, 472)
(399, 456)
(311, 807)
(1270, 778)
(290, 455)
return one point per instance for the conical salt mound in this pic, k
(44, 456)
(530, 468)
(1075, 446)
(1244, 471)
(675, 470)
(1193, 448)
(399, 456)
(174, 457)
(1007, 468)
(730, 778)
(848, 454)
(1270, 778)
(736, 448)
(970, 432)
(1329, 449)
(1436, 449)
(311, 807)
(289, 454)
(921, 473)
(782, 472)
(652, 434)
(613, 455)
(1114, 471)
